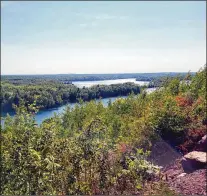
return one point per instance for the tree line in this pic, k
(48, 94)
(25, 79)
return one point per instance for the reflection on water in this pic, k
(150, 90)
(44, 114)
(81, 84)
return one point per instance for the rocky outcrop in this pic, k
(202, 144)
(193, 161)
(190, 184)
(185, 183)
(163, 154)
(186, 175)
(181, 175)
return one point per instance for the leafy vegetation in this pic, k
(23, 79)
(92, 149)
(48, 94)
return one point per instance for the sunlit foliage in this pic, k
(92, 149)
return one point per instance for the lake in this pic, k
(81, 84)
(44, 114)
(150, 90)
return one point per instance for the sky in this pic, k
(65, 37)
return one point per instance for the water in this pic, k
(44, 114)
(81, 84)
(150, 90)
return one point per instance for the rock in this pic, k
(202, 144)
(198, 156)
(190, 184)
(181, 175)
(193, 161)
(171, 173)
(163, 154)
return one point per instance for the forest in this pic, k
(25, 79)
(50, 91)
(95, 150)
(49, 94)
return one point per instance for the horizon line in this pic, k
(97, 73)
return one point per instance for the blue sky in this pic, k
(102, 37)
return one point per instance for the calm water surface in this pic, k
(44, 114)
(81, 84)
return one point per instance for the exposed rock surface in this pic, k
(202, 144)
(181, 175)
(185, 175)
(163, 154)
(190, 184)
(183, 183)
(173, 170)
(193, 161)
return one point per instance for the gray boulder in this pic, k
(193, 161)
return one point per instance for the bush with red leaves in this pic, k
(183, 101)
(191, 141)
(196, 135)
(124, 148)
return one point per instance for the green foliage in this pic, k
(73, 154)
(67, 78)
(198, 84)
(92, 149)
(50, 94)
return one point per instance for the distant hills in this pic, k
(93, 77)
